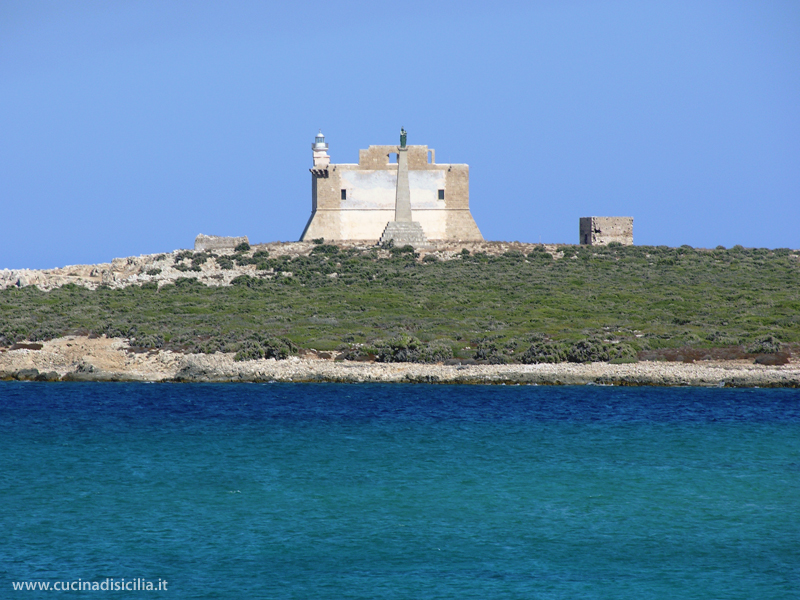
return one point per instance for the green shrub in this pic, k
(248, 281)
(188, 282)
(45, 331)
(181, 255)
(149, 340)
(243, 260)
(279, 348)
(243, 247)
(540, 253)
(359, 352)
(398, 251)
(249, 350)
(256, 347)
(568, 252)
(487, 349)
(585, 351)
(767, 344)
(406, 348)
(544, 352)
(622, 353)
(122, 330)
(582, 351)
(722, 339)
(224, 262)
(435, 352)
(325, 249)
(403, 348)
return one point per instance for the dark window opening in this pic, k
(441, 194)
(344, 194)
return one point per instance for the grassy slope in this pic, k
(669, 296)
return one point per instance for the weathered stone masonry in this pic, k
(600, 231)
(356, 201)
(216, 242)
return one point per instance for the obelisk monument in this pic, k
(403, 230)
(402, 203)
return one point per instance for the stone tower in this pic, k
(600, 231)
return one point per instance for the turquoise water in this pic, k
(401, 491)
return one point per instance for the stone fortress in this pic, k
(386, 193)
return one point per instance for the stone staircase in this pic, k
(404, 233)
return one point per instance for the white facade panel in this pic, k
(376, 190)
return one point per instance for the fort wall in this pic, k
(356, 201)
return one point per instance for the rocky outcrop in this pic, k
(168, 267)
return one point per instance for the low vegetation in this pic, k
(588, 303)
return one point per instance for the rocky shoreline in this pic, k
(78, 358)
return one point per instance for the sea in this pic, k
(399, 491)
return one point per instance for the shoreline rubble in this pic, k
(79, 358)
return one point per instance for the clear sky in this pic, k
(129, 127)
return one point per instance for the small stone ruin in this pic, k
(217, 242)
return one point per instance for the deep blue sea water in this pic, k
(401, 491)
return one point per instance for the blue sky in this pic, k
(129, 127)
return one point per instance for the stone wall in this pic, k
(600, 231)
(216, 242)
(369, 189)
